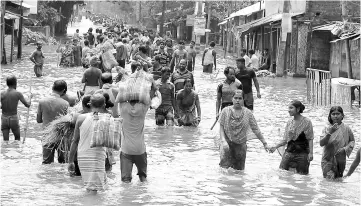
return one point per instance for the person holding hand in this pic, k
(298, 137)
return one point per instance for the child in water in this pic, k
(38, 58)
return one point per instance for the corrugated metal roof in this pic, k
(248, 10)
(272, 18)
(326, 27)
(25, 5)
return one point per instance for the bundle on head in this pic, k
(59, 133)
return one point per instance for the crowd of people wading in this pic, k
(109, 112)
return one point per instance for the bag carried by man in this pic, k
(106, 131)
(109, 61)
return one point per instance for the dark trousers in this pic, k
(126, 165)
(49, 152)
(190, 65)
(121, 63)
(299, 161)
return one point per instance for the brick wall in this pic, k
(331, 10)
(320, 50)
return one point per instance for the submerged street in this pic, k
(182, 162)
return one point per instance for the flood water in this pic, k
(182, 162)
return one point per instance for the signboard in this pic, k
(190, 20)
(199, 26)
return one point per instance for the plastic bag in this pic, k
(136, 87)
(157, 100)
(109, 61)
(106, 131)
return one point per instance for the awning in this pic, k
(248, 10)
(245, 27)
(10, 16)
(25, 5)
(325, 27)
(272, 18)
(223, 22)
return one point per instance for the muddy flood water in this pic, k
(182, 162)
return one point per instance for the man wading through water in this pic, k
(226, 89)
(9, 107)
(246, 76)
(49, 109)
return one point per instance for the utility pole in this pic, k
(20, 34)
(284, 45)
(161, 29)
(347, 41)
(3, 56)
(209, 14)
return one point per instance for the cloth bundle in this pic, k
(109, 60)
(136, 87)
(157, 100)
(106, 132)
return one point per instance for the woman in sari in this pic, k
(299, 139)
(91, 160)
(187, 102)
(337, 141)
(67, 57)
(237, 126)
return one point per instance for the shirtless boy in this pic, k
(38, 59)
(92, 76)
(9, 106)
(165, 110)
(179, 54)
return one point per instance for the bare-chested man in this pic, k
(179, 54)
(92, 76)
(9, 106)
(38, 59)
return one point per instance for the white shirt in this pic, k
(254, 61)
(247, 59)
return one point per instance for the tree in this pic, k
(47, 15)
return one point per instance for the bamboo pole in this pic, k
(347, 41)
(12, 41)
(28, 113)
(3, 54)
(20, 30)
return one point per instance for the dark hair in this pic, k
(85, 101)
(106, 77)
(181, 42)
(212, 44)
(142, 49)
(335, 108)
(108, 103)
(90, 29)
(134, 66)
(96, 30)
(165, 70)
(266, 49)
(59, 86)
(186, 81)
(86, 43)
(241, 59)
(298, 105)
(193, 42)
(157, 58)
(101, 39)
(251, 51)
(77, 30)
(97, 100)
(244, 51)
(120, 39)
(124, 40)
(226, 70)
(11, 80)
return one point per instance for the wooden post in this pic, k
(262, 36)
(209, 13)
(20, 30)
(283, 49)
(347, 41)
(161, 30)
(3, 54)
(271, 48)
(12, 41)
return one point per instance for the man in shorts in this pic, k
(9, 107)
(165, 110)
(246, 76)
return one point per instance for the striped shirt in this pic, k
(178, 78)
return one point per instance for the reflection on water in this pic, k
(182, 162)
